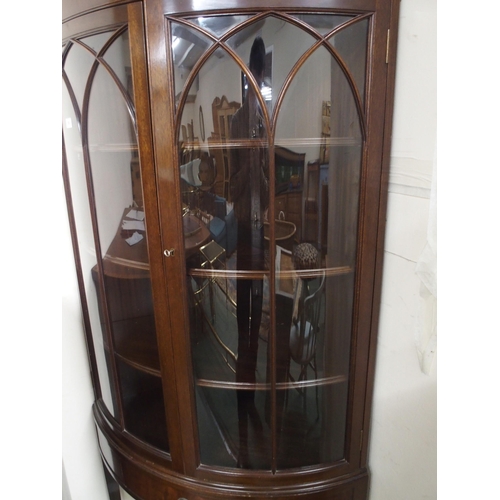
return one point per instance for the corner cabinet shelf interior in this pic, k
(225, 173)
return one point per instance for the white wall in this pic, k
(403, 435)
(81, 460)
(403, 451)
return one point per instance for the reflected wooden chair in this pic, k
(304, 330)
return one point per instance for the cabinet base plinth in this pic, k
(146, 478)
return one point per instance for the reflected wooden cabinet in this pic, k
(229, 271)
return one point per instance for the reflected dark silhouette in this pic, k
(250, 194)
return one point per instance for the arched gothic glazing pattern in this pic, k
(104, 185)
(271, 126)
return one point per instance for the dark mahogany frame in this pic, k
(143, 471)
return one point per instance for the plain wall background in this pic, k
(403, 444)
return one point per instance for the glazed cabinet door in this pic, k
(115, 221)
(270, 280)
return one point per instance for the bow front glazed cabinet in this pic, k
(226, 167)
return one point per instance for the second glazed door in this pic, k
(269, 253)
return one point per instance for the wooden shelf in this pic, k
(135, 342)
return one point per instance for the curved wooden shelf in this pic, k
(135, 343)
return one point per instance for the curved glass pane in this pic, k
(317, 173)
(322, 23)
(125, 289)
(224, 167)
(188, 45)
(351, 44)
(284, 43)
(77, 67)
(225, 195)
(218, 25)
(96, 42)
(86, 245)
(118, 58)
(206, 119)
(112, 145)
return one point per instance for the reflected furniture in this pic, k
(187, 405)
(222, 113)
(289, 186)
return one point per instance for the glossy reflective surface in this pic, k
(270, 200)
(106, 189)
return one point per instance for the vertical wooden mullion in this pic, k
(272, 302)
(184, 448)
(379, 250)
(363, 328)
(150, 196)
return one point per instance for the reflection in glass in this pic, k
(85, 238)
(111, 144)
(280, 56)
(322, 23)
(351, 44)
(188, 45)
(319, 134)
(118, 57)
(250, 193)
(96, 42)
(224, 230)
(117, 282)
(219, 25)
(300, 118)
(144, 410)
(220, 72)
(78, 62)
(317, 157)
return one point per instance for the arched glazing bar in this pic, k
(268, 381)
(101, 61)
(94, 371)
(218, 44)
(322, 40)
(67, 188)
(107, 330)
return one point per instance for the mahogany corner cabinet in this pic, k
(226, 168)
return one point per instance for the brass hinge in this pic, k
(387, 47)
(361, 440)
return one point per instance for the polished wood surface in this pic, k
(149, 324)
(131, 261)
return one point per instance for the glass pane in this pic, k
(218, 25)
(351, 44)
(188, 45)
(223, 145)
(77, 67)
(284, 43)
(322, 23)
(127, 302)
(118, 57)
(225, 200)
(205, 124)
(143, 410)
(317, 171)
(86, 245)
(96, 42)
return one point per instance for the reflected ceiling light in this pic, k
(175, 41)
(267, 92)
